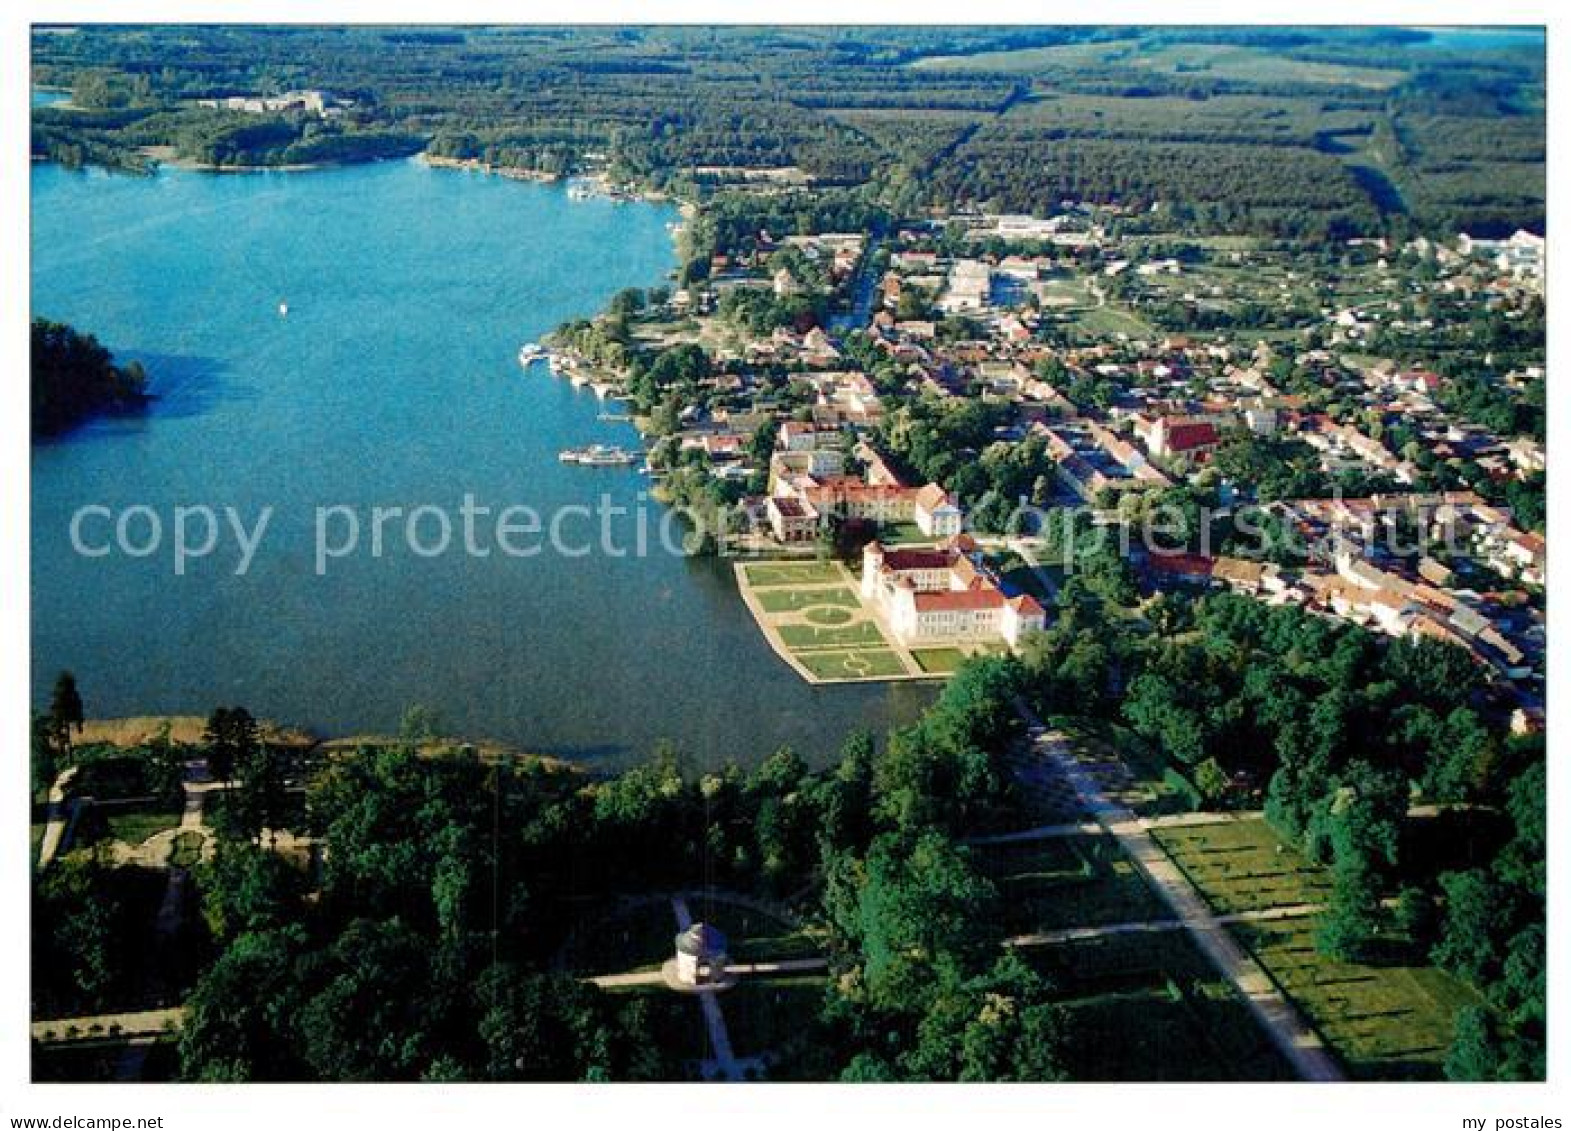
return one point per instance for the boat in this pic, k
(597, 455)
(579, 190)
(283, 310)
(530, 352)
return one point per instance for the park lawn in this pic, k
(1390, 1021)
(858, 664)
(134, 824)
(804, 637)
(619, 942)
(1149, 788)
(186, 851)
(769, 1015)
(768, 575)
(899, 533)
(1150, 1007)
(938, 661)
(794, 600)
(752, 934)
(1109, 320)
(1244, 866)
(1067, 881)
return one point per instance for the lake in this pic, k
(392, 382)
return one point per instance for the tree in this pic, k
(246, 889)
(921, 917)
(220, 740)
(65, 711)
(259, 799)
(243, 1018)
(1469, 943)
(1475, 1049)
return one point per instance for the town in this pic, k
(1330, 441)
(1126, 448)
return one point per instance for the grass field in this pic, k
(1068, 881)
(767, 575)
(1108, 321)
(1244, 866)
(819, 624)
(187, 850)
(805, 637)
(856, 664)
(1224, 61)
(794, 600)
(753, 935)
(1150, 1007)
(1390, 1021)
(134, 824)
(938, 661)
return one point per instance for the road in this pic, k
(725, 1063)
(1298, 1043)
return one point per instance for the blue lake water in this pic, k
(391, 382)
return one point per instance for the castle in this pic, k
(944, 596)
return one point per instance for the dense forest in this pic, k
(74, 377)
(1280, 131)
(464, 876)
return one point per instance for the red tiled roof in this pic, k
(1186, 437)
(1027, 605)
(917, 559)
(1184, 565)
(959, 600)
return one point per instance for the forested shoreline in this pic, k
(74, 377)
(1322, 133)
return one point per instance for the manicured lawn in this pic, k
(1392, 1021)
(1244, 866)
(135, 824)
(792, 600)
(767, 575)
(801, 637)
(860, 664)
(187, 851)
(827, 616)
(753, 935)
(1068, 881)
(896, 533)
(1150, 1007)
(938, 661)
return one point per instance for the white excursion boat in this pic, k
(530, 352)
(597, 455)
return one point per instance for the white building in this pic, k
(942, 597)
(936, 513)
